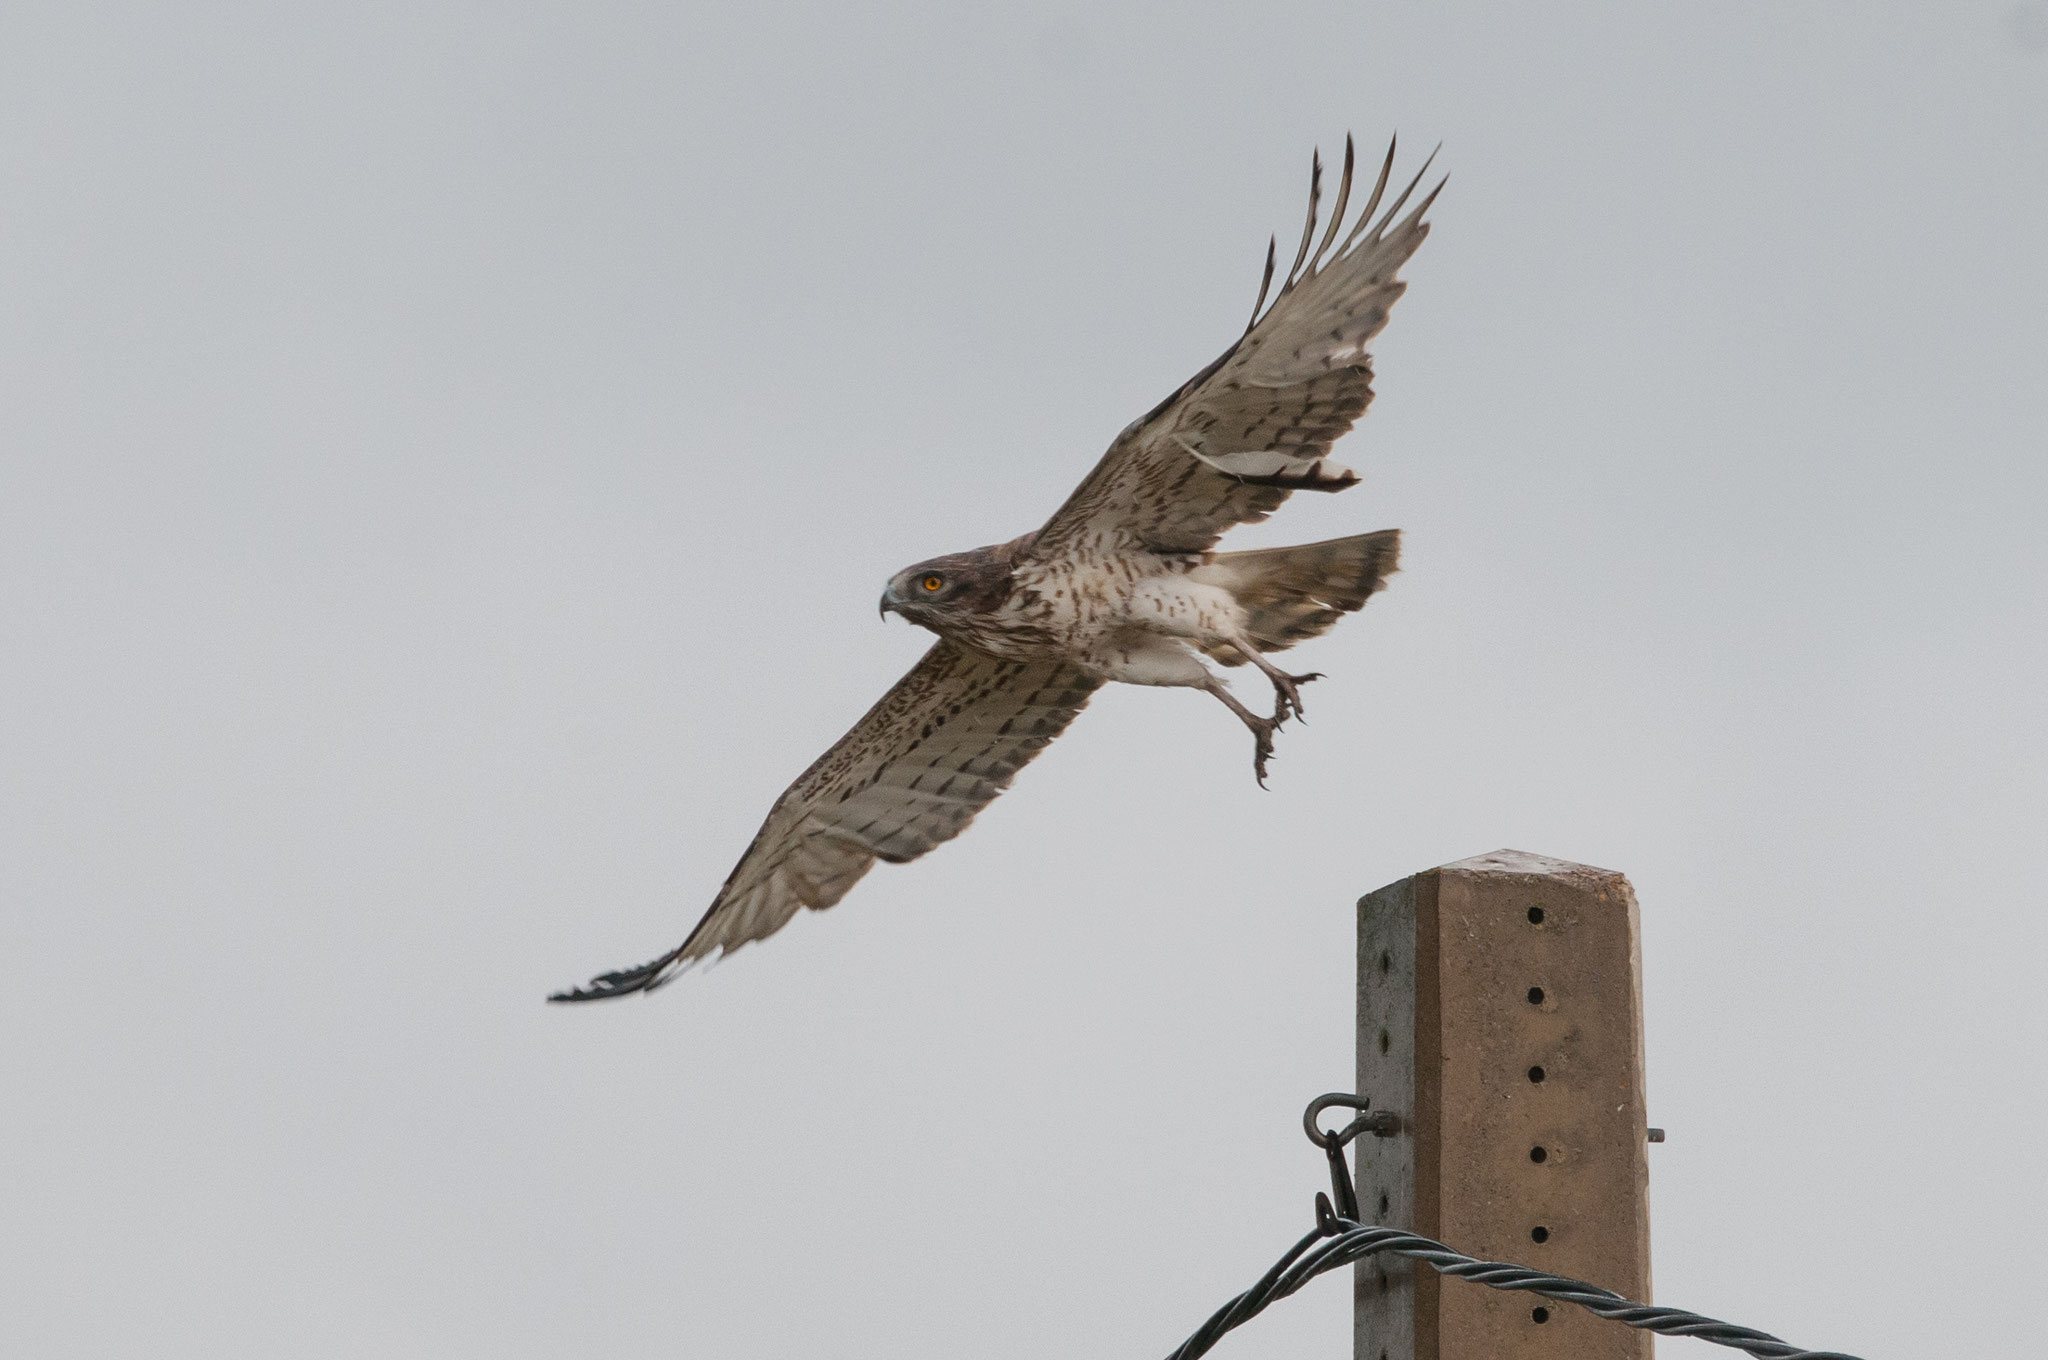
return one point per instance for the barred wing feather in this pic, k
(1256, 424)
(910, 775)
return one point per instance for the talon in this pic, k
(1262, 728)
(1262, 748)
(1287, 695)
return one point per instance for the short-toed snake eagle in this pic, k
(1120, 584)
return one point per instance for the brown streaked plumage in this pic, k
(1121, 584)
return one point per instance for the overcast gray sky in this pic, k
(448, 458)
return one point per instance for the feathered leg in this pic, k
(1147, 658)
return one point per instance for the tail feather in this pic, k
(1292, 594)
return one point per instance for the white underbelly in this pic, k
(1140, 656)
(1110, 607)
(1180, 607)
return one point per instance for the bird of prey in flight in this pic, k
(1121, 584)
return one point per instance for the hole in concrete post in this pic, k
(1384, 1041)
(1535, 996)
(1540, 1314)
(1539, 1234)
(1535, 916)
(1386, 961)
(1535, 1074)
(1539, 1154)
(1383, 1206)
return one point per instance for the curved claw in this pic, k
(1262, 728)
(1287, 695)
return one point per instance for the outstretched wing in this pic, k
(1258, 422)
(937, 749)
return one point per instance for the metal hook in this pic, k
(1379, 1123)
(1313, 1129)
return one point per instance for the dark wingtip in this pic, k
(1272, 245)
(625, 982)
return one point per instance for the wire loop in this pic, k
(1339, 1239)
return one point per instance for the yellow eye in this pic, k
(933, 582)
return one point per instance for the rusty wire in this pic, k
(1340, 1240)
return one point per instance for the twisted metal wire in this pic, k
(1349, 1241)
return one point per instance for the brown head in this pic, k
(958, 586)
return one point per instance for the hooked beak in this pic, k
(883, 612)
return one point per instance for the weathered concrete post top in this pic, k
(1500, 1016)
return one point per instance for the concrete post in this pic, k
(1500, 1016)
